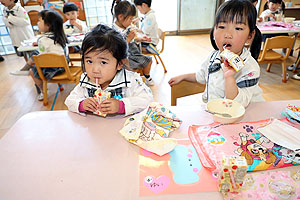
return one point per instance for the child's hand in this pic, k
(131, 36)
(135, 20)
(259, 19)
(228, 70)
(271, 16)
(175, 80)
(90, 104)
(109, 106)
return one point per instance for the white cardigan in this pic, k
(136, 95)
(18, 24)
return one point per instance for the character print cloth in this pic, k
(215, 140)
(273, 185)
(150, 129)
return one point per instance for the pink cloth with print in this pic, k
(276, 26)
(213, 140)
(271, 185)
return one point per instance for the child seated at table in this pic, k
(73, 25)
(53, 40)
(272, 10)
(148, 25)
(235, 25)
(104, 52)
(124, 12)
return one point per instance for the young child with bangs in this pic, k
(235, 26)
(124, 13)
(104, 52)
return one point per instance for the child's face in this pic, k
(125, 21)
(233, 35)
(72, 15)
(102, 66)
(143, 8)
(273, 6)
(42, 26)
(8, 3)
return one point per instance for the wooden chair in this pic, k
(269, 56)
(33, 16)
(161, 35)
(185, 88)
(50, 60)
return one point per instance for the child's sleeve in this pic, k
(21, 18)
(248, 88)
(84, 27)
(137, 97)
(74, 99)
(201, 74)
(149, 24)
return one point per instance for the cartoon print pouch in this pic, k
(150, 129)
(214, 140)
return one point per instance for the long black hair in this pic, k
(55, 22)
(125, 8)
(102, 38)
(241, 11)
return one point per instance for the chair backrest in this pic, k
(185, 88)
(162, 35)
(33, 16)
(278, 42)
(51, 60)
(81, 12)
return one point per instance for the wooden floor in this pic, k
(183, 54)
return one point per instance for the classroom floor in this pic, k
(182, 54)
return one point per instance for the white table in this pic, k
(64, 156)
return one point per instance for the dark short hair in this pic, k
(70, 6)
(140, 2)
(103, 38)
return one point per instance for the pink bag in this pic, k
(213, 140)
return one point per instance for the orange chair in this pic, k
(161, 35)
(269, 56)
(51, 60)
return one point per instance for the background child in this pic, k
(71, 11)
(104, 52)
(53, 40)
(75, 25)
(149, 25)
(271, 9)
(124, 12)
(235, 25)
(16, 19)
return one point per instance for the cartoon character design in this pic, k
(254, 151)
(281, 189)
(290, 156)
(215, 138)
(185, 164)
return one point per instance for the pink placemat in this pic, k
(179, 171)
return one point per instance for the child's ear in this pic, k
(120, 17)
(121, 64)
(250, 37)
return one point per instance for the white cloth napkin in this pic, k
(282, 134)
